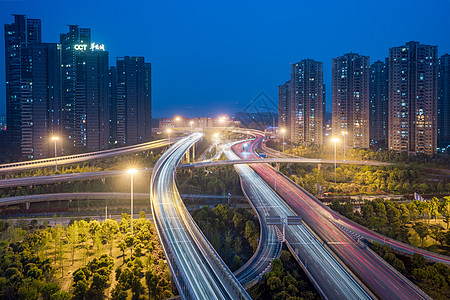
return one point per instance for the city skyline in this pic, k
(253, 46)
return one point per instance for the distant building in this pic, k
(306, 106)
(91, 106)
(85, 107)
(378, 104)
(284, 95)
(78, 38)
(33, 88)
(443, 102)
(22, 33)
(350, 99)
(2, 122)
(131, 103)
(40, 98)
(413, 98)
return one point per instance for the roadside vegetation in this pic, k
(422, 224)
(370, 154)
(285, 281)
(369, 180)
(233, 232)
(219, 180)
(85, 260)
(432, 278)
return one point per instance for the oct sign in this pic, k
(84, 47)
(80, 47)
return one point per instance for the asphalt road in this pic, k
(381, 279)
(198, 271)
(331, 279)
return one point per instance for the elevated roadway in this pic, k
(330, 278)
(197, 269)
(70, 159)
(382, 280)
(245, 161)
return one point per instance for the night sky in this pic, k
(211, 57)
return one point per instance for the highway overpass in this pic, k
(197, 269)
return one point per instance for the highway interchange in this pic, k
(198, 270)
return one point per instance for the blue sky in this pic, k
(210, 57)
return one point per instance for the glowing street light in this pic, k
(343, 134)
(335, 141)
(169, 131)
(132, 172)
(191, 123)
(283, 130)
(55, 139)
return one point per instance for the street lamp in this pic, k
(283, 130)
(191, 123)
(55, 139)
(335, 141)
(132, 172)
(343, 134)
(169, 131)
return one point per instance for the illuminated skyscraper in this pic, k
(378, 104)
(413, 98)
(85, 109)
(22, 33)
(133, 114)
(444, 101)
(350, 99)
(284, 95)
(33, 88)
(306, 102)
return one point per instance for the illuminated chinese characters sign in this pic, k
(84, 47)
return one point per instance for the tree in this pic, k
(445, 210)
(434, 207)
(437, 234)
(152, 283)
(418, 260)
(123, 248)
(422, 230)
(274, 283)
(110, 228)
(72, 234)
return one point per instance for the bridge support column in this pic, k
(27, 205)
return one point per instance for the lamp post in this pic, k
(343, 134)
(169, 131)
(55, 139)
(191, 123)
(335, 141)
(283, 130)
(132, 172)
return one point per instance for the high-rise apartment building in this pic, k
(350, 99)
(306, 102)
(413, 98)
(85, 108)
(78, 38)
(40, 98)
(284, 95)
(91, 106)
(23, 32)
(378, 92)
(444, 101)
(33, 88)
(132, 119)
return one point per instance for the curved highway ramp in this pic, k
(197, 269)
